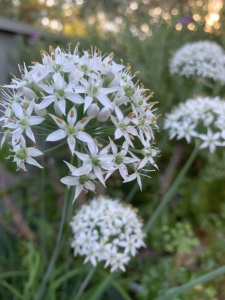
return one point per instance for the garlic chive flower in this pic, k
(200, 119)
(203, 59)
(23, 154)
(88, 104)
(105, 230)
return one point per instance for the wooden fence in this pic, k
(11, 34)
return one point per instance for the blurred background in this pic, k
(189, 239)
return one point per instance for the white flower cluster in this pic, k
(204, 59)
(92, 102)
(107, 231)
(202, 118)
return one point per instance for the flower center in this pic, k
(92, 90)
(128, 91)
(118, 159)
(123, 126)
(57, 67)
(21, 154)
(95, 161)
(23, 122)
(83, 179)
(84, 68)
(71, 130)
(60, 92)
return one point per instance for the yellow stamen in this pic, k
(25, 105)
(59, 120)
(131, 115)
(50, 49)
(83, 120)
(71, 113)
(111, 55)
(131, 136)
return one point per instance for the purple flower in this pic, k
(185, 20)
(32, 37)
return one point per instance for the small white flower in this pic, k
(71, 130)
(25, 154)
(97, 161)
(82, 183)
(107, 231)
(23, 122)
(202, 118)
(204, 59)
(58, 92)
(211, 140)
(122, 126)
(120, 160)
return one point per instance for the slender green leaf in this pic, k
(121, 290)
(188, 286)
(13, 290)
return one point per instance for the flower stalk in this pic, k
(171, 191)
(57, 248)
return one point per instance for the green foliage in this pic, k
(180, 238)
(187, 240)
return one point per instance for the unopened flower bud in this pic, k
(93, 110)
(40, 112)
(108, 79)
(29, 94)
(103, 115)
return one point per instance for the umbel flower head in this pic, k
(202, 118)
(87, 103)
(107, 231)
(203, 59)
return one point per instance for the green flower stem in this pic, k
(56, 249)
(167, 197)
(188, 286)
(54, 148)
(84, 284)
(132, 192)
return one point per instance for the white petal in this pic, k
(31, 151)
(98, 173)
(118, 133)
(119, 113)
(62, 106)
(79, 189)
(58, 80)
(35, 120)
(82, 170)
(105, 100)
(87, 102)
(71, 167)
(75, 98)
(61, 123)
(85, 137)
(82, 156)
(72, 143)
(46, 101)
(56, 135)
(72, 116)
(32, 161)
(89, 185)
(47, 88)
(18, 110)
(30, 134)
(69, 180)
(93, 148)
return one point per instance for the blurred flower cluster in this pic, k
(203, 59)
(202, 118)
(91, 103)
(106, 231)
